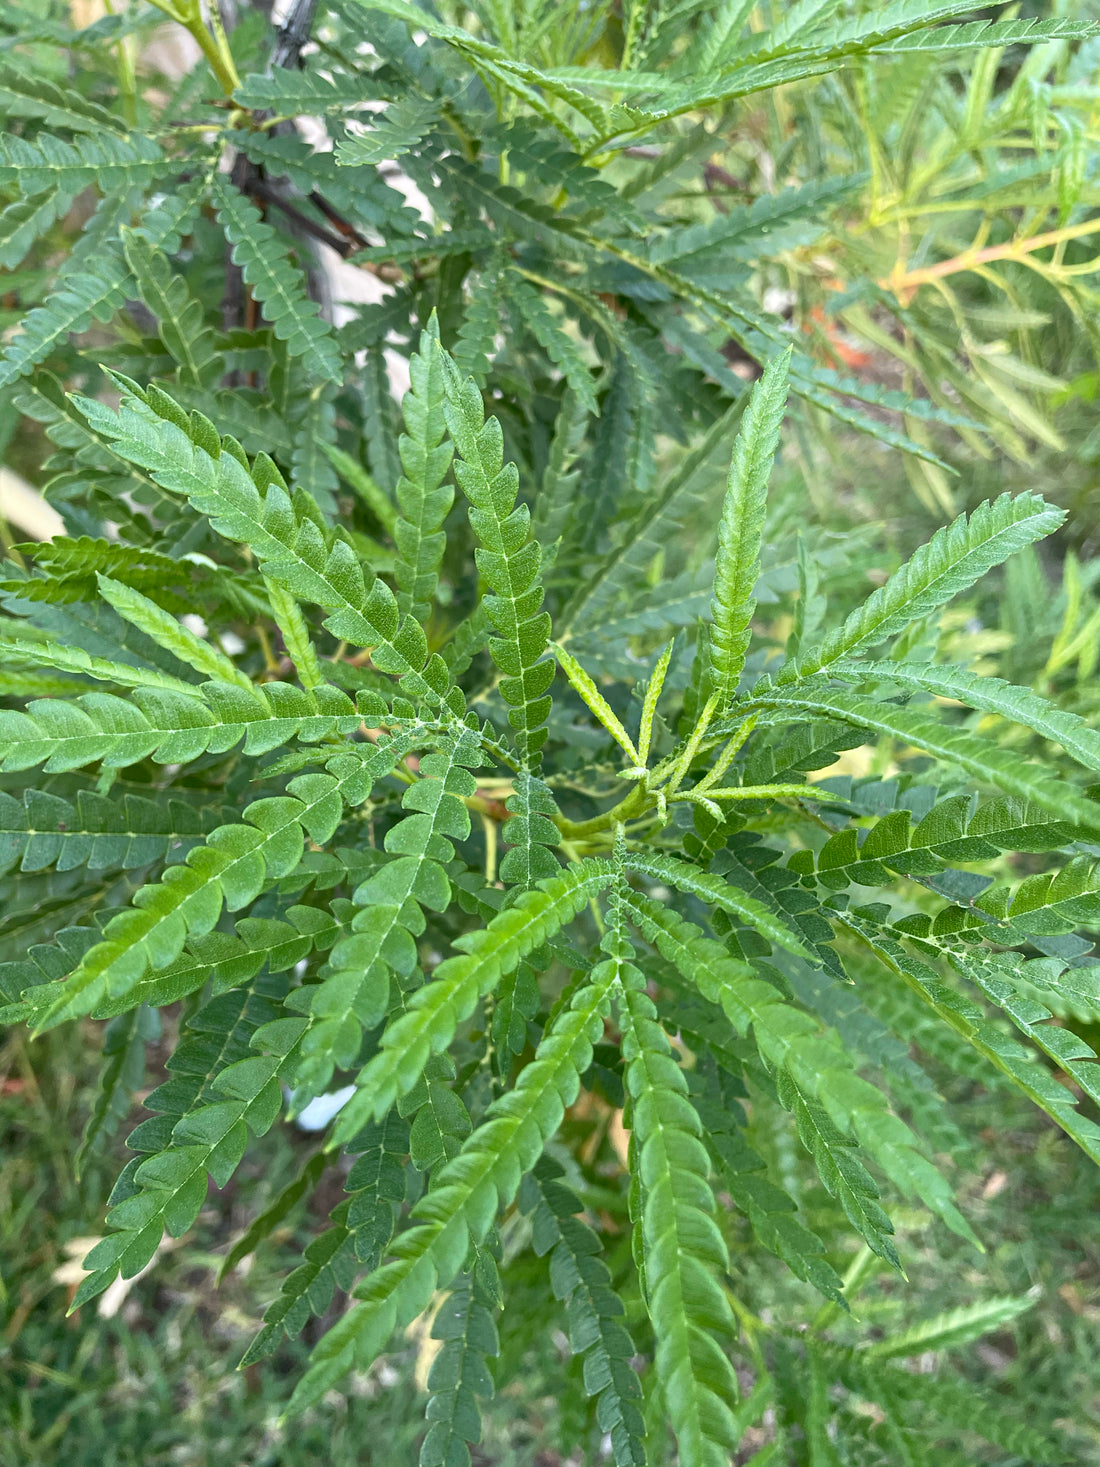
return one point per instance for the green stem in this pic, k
(636, 803)
(215, 47)
(127, 74)
(861, 1266)
(226, 69)
(450, 116)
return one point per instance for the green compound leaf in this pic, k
(978, 757)
(720, 894)
(582, 1282)
(468, 1191)
(771, 1212)
(76, 660)
(392, 133)
(277, 283)
(953, 1328)
(459, 1375)
(683, 1253)
(22, 94)
(172, 635)
(422, 497)
(251, 505)
(169, 727)
(948, 564)
(435, 1011)
(360, 1229)
(1011, 1058)
(990, 695)
(528, 832)
(195, 1132)
(509, 560)
(180, 323)
(354, 992)
(817, 1080)
(124, 1044)
(248, 818)
(950, 831)
(228, 870)
(93, 287)
(741, 528)
(24, 222)
(99, 831)
(49, 163)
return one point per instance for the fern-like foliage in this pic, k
(265, 265)
(50, 163)
(510, 562)
(423, 499)
(953, 560)
(682, 1251)
(93, 288)
(459, 1374)
(293, 801)
(397, 131)
(581, 1281)
(24, 94)
(179, 317)
(739, 531)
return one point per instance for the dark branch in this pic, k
(259, 188)
(294, 34)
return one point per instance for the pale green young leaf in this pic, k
(649, 704)
(596, 702)
(295, 634)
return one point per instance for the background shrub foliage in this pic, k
(695, 915)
